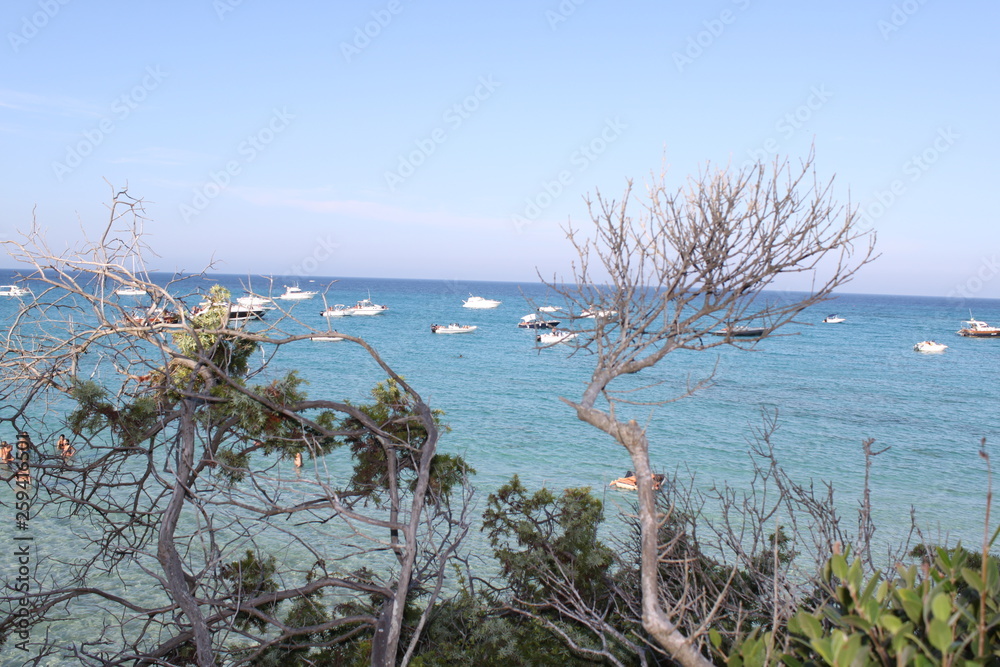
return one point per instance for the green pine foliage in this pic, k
(541, 538)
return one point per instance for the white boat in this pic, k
(974, 328)
(327, 339)
(832, 319)
(548, 309)
(366, 307)
(295, 293)
(605, 314)
(555, 336)
(16, 290)
(929, 346)
(255, 301)
(237, 312)
(480, 302)
(339, 310)
(452, 328)
(130, 290)
(532, 321)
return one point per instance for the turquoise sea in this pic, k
(830, 385)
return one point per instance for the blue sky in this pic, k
(454, 140)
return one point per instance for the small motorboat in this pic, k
(929, 346)
(327, 339)
(548, 309)
(832, 319)
(130, 290)
(366, 307)
(295, 293)
(154, 315)
(16, 290)
(236, 311)
(532, 321)
(592, 312)
(555, 336)
(453, 328)
(339, 310)
(741, 332)
(255, 301)
(628, 482)
(974, 328)
(480, 302)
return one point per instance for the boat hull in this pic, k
(452, 329)
(742, 332)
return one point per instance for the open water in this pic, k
(831, 386)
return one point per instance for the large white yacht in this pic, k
(480, 302)
(295, 293)
(366, 307)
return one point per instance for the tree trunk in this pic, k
(176, 578)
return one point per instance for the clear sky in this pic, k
(453, 140)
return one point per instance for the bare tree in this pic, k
(690, 272)
(187, 534)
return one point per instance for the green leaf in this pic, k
(715, 638)
(839, 565)
(974, 579)
(848, 652)
(869, 590)
(808, 625)
(890, 622)
(912, 604)
(855, 621)
(939, 634)
(824, 647)
(941, 606)
(992, 575)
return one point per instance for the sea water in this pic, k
(829, 387)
